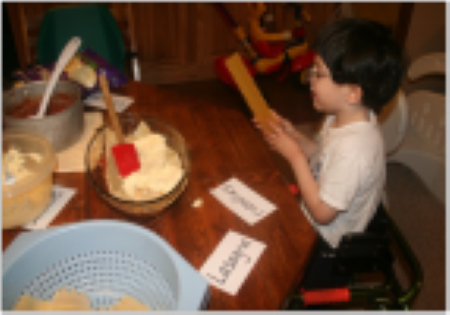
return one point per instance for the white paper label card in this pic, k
(121, 103)
(243, 201)
(60, 197)
(232, 261)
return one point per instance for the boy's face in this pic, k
(328, 96)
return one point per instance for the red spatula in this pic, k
(125, 154)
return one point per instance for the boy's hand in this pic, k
(280, 138)
(275, 118)
(285, 124)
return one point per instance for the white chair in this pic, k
(413, 127)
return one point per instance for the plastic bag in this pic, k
(82, 69)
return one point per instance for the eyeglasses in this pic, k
(315, 74)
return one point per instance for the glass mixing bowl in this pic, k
(96, 166)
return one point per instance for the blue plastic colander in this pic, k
(105, 259)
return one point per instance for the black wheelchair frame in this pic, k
(371, 253)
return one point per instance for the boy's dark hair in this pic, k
(364, 53)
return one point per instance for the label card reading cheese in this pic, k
(232, 261)
(247, 204)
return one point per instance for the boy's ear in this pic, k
(355, 94)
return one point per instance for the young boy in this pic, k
(357, 70)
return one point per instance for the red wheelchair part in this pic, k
(294, 189)
(326, 296)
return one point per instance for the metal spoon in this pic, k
(67, 54)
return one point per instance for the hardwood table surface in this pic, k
(222, 143)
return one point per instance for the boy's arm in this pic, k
(308, 145)
(321, 212)
(282, 142)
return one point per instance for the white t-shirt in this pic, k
(349, 166)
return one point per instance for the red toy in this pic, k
(283, 53)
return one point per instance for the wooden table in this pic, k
(222, 144)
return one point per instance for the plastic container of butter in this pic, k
(25, 197)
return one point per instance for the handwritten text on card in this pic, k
(243, 201)
(231, 262)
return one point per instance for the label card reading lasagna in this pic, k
(244, 202)
(232, 261)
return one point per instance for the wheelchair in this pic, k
(366, 262)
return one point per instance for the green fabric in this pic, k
(93, 23)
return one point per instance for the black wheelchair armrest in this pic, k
(360, 254)
(363, 238)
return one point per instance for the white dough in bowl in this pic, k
(160, 171)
